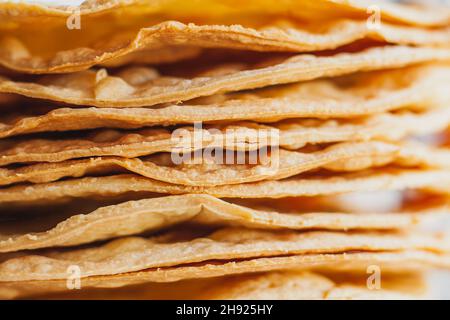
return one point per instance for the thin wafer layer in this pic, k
(164, 41)
(135, 217)
(312, 9)
(209, 170)
(405, 260)
(136, 253)
(437, 181)
(287, 284)
(369, 93)
(296, 285)
(135, 87)
(292, 134)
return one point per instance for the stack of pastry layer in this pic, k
(223, 149)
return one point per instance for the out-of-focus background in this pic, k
(440, 281)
